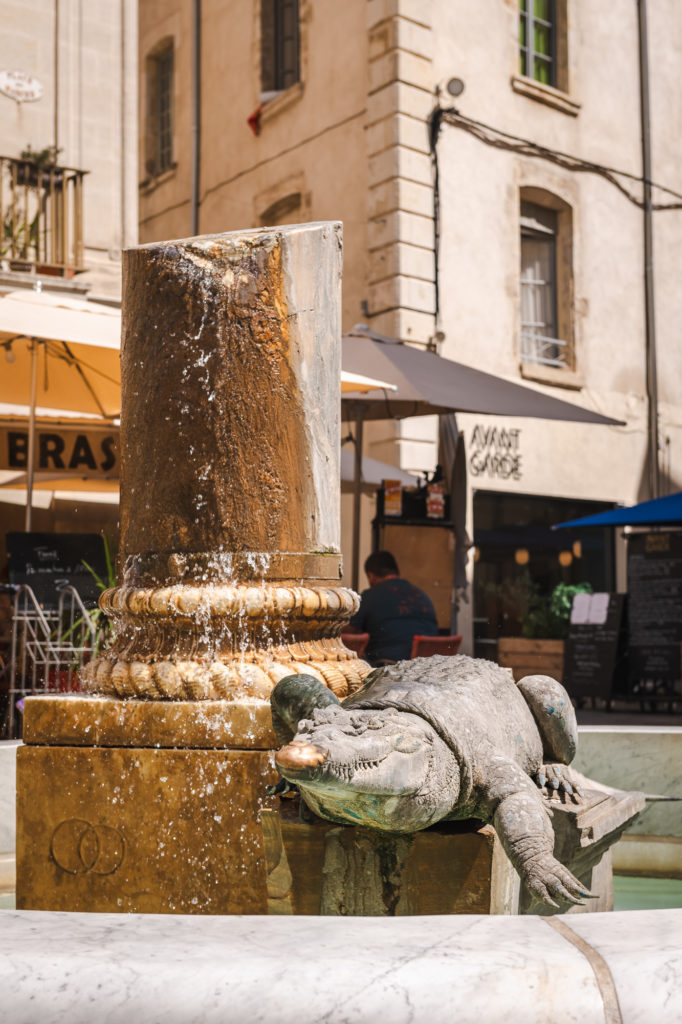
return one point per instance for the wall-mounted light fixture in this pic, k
(455, 86)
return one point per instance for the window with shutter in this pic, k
(545, 283)
(280, 45)
(159, 135)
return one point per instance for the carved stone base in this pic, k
(225, 641)
(339, 870)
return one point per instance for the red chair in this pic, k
(356, 642)
(425, 646)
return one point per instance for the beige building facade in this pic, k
(68, 206)
(68, 91)
(525, 256)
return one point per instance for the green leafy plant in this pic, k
(95, 615)
(18, 236)
(42, 158)
(549, 617)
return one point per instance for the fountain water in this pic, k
(145, 796)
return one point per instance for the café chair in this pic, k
(425, 646)
(356, 642)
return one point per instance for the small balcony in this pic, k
(41, 216)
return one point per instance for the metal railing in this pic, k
(49, 647)
(41, 216)
(538, 348)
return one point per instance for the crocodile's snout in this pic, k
(299, 757)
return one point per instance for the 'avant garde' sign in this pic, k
(495, 452)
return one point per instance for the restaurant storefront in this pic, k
(518, 561)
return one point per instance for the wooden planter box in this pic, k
(531, 657)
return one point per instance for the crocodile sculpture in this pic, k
(433, 739)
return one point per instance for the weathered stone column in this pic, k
(230, 538)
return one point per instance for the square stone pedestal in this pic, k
(142, 806)
(584, 834)
(323, 868)
(456, 867)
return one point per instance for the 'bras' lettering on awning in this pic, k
(73, 451)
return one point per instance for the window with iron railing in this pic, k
(539, 303)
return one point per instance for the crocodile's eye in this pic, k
(375, 723)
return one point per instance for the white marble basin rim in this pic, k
(139, 969)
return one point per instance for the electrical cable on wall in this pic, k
(525, 147)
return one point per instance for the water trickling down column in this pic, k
(229, 561)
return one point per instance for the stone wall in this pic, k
(649, 759)
(85, 59)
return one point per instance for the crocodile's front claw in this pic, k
(549, 881)
(556, 783)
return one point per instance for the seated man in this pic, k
(392, 611)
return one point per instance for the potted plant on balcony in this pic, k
(544, 627)
(39, 168)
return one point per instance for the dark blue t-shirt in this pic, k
(393, 611)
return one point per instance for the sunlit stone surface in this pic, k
(59, 968)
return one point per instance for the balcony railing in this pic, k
(41, 217)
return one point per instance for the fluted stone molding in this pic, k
(230, 429)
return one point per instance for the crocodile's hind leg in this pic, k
(555, 718)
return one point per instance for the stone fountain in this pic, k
(145, 794)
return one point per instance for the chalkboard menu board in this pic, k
(49, 561)
(655, 588)
(595, 651)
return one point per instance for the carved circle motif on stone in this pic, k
(80, 848)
